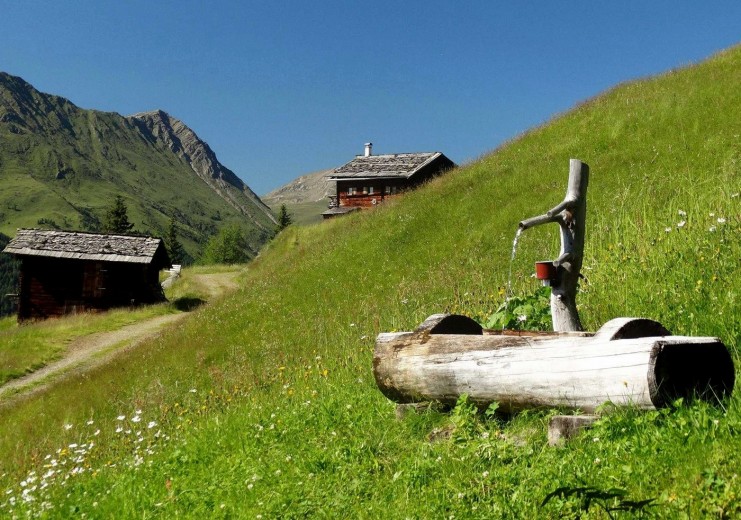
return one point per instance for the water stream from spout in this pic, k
(508, 294)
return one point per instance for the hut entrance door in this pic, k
(94, 283)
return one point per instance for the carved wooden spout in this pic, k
(571, 215)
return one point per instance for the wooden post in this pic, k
(571, 215)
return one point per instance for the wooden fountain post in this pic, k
(571, 215)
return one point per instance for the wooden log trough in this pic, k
(628, 361)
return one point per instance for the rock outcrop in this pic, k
(184, 143)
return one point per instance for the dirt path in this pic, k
(100, 348)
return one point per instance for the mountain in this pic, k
(304, 197)
(61, 167)
(312, 187)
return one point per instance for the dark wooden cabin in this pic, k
(370, 179)
(65, 272)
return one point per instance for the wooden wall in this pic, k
(364, 199)
(53, 286)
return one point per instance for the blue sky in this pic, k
(283, 88)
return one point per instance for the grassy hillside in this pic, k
(264, 405)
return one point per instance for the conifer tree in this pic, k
(117, 219)
(174, 247)
(284, 218)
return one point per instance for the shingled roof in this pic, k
(88, 246)
(389, 166)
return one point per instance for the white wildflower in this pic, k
(67, 426)
(151, 425)
(682, 213)
(668, 229)
(721, 220)
(120, 417)
(712, 229)
(681, 223)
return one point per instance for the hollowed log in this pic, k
(618, 364)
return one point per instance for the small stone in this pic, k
(564, 427)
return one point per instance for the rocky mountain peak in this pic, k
(184, 143)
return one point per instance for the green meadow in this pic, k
(262, 404)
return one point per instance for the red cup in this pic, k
(545, 270)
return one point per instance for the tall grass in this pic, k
(264, 404)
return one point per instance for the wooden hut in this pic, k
(65, 272)
(370, 179)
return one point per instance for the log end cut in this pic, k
(690, 368)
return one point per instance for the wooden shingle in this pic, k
(85, 246)
(398, 165)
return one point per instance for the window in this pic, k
(352, 191)
(387, 190)
(370, 190)
(365, 190)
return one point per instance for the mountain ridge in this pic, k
(61, 165)
(305, 197)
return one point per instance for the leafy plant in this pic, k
(465, 420)
(529, 312)
(227, 247)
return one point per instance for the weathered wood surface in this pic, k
(571, 216)
(572, 370)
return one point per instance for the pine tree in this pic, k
(117, 219)
(174, 247)
(284, 218)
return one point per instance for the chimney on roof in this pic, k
(368, 149)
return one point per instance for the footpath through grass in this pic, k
(27, 347)
(264, 404)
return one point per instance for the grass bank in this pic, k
(265, 403)
(27, 347)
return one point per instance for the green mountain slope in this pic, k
(265, 403)
(61, 166)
